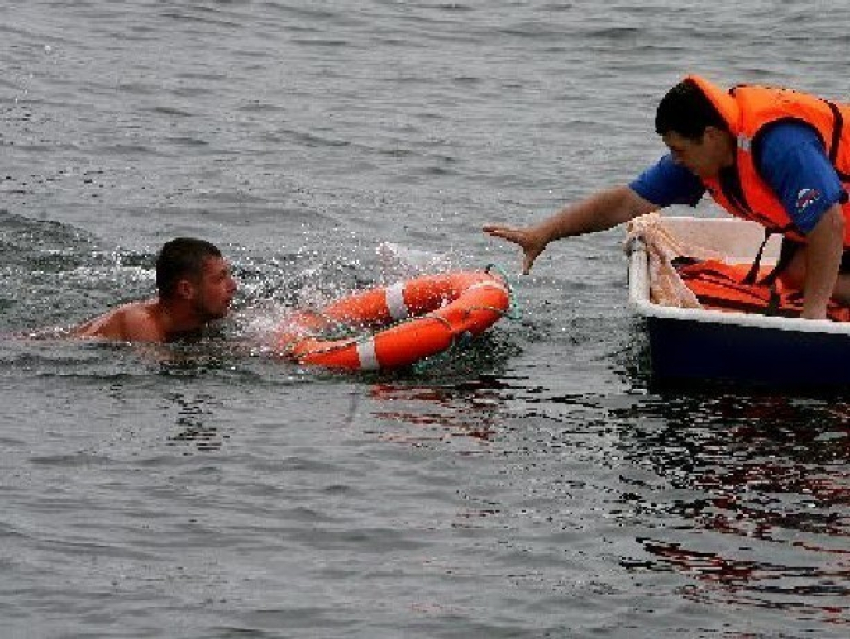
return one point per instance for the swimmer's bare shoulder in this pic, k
(133, 322)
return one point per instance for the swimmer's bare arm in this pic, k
(599, 212)
(130, 323)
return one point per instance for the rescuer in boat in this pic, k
(775, 156)
(195, 287)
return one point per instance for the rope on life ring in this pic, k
(420, 317)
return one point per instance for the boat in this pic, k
(690, 343)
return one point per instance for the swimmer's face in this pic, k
(214, 289)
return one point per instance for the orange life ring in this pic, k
(438, 309)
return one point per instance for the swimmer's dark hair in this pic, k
(182, 257)
(687, 111)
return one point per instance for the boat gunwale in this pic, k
(639, 301)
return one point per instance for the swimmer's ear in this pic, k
(186, 289)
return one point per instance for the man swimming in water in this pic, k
(195, 287)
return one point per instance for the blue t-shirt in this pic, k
(793, 162)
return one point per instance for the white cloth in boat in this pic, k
(665, 285)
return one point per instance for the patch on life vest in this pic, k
(805, 198)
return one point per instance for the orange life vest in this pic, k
(748, 111)
(720, 286)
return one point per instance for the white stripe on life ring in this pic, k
(367, 355)
(487, 285)
(395, 301)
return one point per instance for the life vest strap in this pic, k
(781, 264)
(719, 285)
(837, 131)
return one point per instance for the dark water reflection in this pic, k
(190, 427)
(420, 413)
(748, 498)
(741, 498)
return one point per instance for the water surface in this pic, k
(531, 484)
